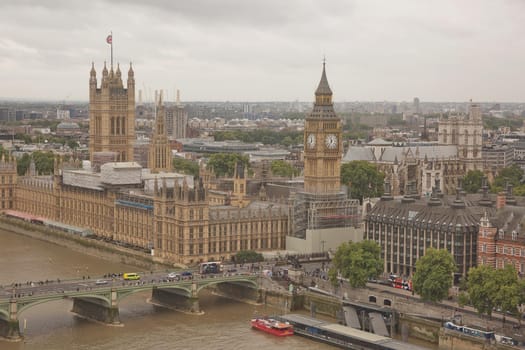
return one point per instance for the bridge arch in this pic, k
(124, 294)
(25, 306)
(247, 282)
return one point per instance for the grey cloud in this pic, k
(244, 49)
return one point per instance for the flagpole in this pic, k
(111, 50)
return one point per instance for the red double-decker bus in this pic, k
(402, 284)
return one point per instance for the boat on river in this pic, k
(272, 326)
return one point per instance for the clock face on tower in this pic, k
(331, 141)
(310, 140)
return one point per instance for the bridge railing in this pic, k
(72, 287)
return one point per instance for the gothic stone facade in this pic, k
(177, 223)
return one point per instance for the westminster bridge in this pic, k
(99, 299)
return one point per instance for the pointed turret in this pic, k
(104, 71)
(131, 78)
(131, 73)
(119, 73)
(324, 87)
(93, 73)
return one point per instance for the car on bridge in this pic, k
(131, 276)
(173, 276)
(187, 275)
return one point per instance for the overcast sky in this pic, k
(268, 50)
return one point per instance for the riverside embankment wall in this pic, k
(99, 249)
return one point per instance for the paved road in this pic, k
(35, 288)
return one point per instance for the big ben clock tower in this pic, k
(323, 147)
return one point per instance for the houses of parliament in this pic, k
(181, 219)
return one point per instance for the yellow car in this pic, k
(131, 276)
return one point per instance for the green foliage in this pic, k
(353, 129)
(283, 168)
(357, 261)
(22, 164)
(186, 166)
(472, 181)
(512, 175)
(363, 179)
(463, 299)
(223, 164)
(396, 120)
(266, 136)
(492, 123)
(24, 137)
(433, 277)
(72, 144)
(519, 190)
(44, 163)
(248, 256)
(489, 288)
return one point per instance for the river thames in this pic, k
(225, 324)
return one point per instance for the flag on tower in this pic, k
(109, 39)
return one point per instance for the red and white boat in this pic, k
(272, 326)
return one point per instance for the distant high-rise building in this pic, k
(176, 120)
(63, 114)
(19, 115)
(416, 105)
(112, 114)
(4, 114)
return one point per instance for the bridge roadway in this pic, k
(49, 287)
(99, 300)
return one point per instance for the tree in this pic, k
(22, 164)
(356, 261)
(223, 164)
(72, 144)
(363, 179)
(248, 256)
(519, 190)
(44, 163)
(488, 288)
(511, 175)
(24, 137)
(433, 277)
(282, 168)
(284, 137)
(287, 141)
(472, 181)
(186, 166)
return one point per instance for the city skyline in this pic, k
(267, 51)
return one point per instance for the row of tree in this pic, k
(513, 175)
(485, 288)
(265, 136)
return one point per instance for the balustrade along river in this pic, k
(224, 325)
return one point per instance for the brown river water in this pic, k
(224, 325)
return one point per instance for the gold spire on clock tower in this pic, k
(323, 148)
